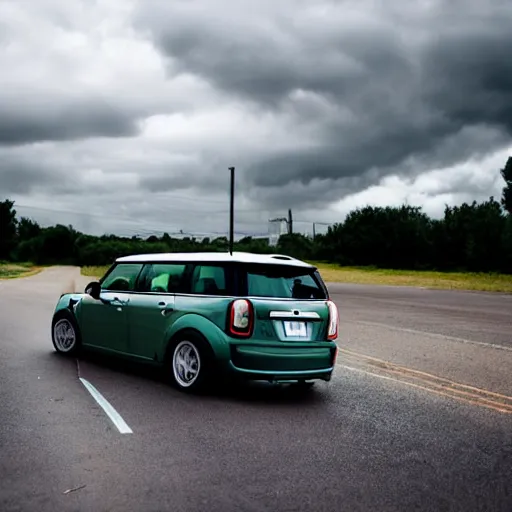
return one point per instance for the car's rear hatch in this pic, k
(290, 302)
(286, 320)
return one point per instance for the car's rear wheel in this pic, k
(190, 362)
(65, 334)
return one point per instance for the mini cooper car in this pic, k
(262, 317)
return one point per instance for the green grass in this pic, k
(332, 273)
(13, 270)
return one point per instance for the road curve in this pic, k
(361, 442)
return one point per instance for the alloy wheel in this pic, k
(186, 364)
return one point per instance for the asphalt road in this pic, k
(400, 427)
(464, 336)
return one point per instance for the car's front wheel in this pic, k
(65, 334)
(190, 362)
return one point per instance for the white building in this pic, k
(276, 228)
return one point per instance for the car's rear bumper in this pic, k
(275, 376)
(278, 362)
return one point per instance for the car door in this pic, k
(104, 322)
(152, 308)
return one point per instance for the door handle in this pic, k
(166, 308)
(120, 302)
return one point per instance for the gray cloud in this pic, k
(44, 93)
(408, 82)
(24, 122)
(138, 113)
(74, 70)
(22, 179)
(471, 78)
(23, 175)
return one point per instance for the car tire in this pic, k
(66, 337)
(190, 361)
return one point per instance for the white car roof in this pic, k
(222, 257)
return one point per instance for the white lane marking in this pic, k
(432, 335)
(116, 418)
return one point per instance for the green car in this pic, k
(262, 317)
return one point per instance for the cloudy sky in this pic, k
(124, 116)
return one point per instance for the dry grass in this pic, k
(332, 273)
(94, 272)
(13, 270)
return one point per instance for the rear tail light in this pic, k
(332, 330)
(241, 318)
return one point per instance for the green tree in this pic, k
(7, 229)
(506, 199)
(295, 245)
(28, 229)
(473, 236)
(506, 265)
(54, 245)
(386, 237)
(256, 245)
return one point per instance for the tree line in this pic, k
(471, 237)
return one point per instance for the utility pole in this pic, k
(232, 210)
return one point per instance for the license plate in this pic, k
(295, 329)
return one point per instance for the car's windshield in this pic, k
(282, 281)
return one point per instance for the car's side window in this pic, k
(162, 278)
(209, 280)
(122, 278)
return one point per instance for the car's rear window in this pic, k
(283, 281)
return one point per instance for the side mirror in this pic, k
(93, 289)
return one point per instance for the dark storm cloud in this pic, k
(265, 65)
(471, 77)
(413, 82)
(22, 123)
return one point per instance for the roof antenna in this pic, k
(231, 210)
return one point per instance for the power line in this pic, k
(167, 209)
(315, 222)
(117, 217)
(138, 228)
(190, 234)
(137, 224)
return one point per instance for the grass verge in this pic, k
(94, 272)
(475, 281)
(332, 273)
(13, 270)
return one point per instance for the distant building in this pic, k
(276, 228)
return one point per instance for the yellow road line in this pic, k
(430, 382)
(476, 398)
(494, 408)
(418, 372)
